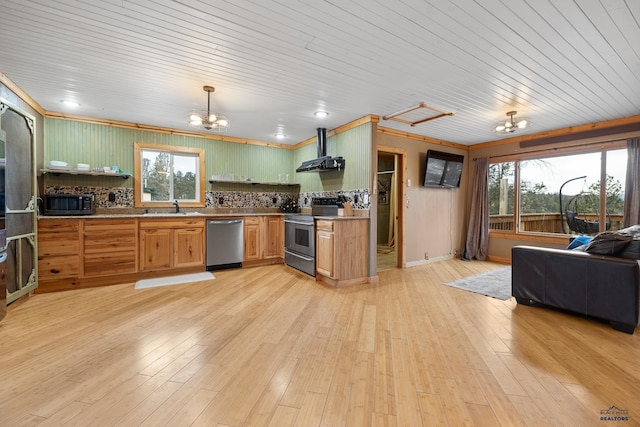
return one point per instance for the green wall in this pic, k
(355, 146)
(102, 145)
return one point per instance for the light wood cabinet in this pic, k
(58, 250)
(188, 247)
(109, 247)
(156, 249)
(274, 244)
(263, 240)
(85, 252)
(341, 251)
(171, 243)
(325, 248)
(252, 239)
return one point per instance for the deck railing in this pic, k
(546, 223)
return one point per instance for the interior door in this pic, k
(390, 182)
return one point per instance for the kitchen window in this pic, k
(575, 192)
(165, 173)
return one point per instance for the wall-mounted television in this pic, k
(443, 169)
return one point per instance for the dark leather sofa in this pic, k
(601, 286)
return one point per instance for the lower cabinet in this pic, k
(188, 247)
(171, 243)
(109, 247)
(342, 251)
(252, 240)
(324, 248)
(84, 252)
(58, 250)
(274, 246)
(263, 239)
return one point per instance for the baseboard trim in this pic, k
(428, 261)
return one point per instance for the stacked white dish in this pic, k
(55, 164)
(83, 167)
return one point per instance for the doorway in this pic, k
(389, 180)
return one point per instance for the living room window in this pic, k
(571, 193)
(165, 173)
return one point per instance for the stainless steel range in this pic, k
(300, 243)
(325, 206)
(299, 234)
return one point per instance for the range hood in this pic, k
(323, 162)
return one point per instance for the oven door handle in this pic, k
(288, 221)
(301, 256)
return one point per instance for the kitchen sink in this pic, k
(172, 214)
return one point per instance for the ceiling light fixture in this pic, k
(512, 124)
(280, 135)
(68, 103)
(208, 119)
(321, 114)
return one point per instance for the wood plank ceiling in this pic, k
(275, 62)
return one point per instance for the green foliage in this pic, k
(535, 197)
(156, 174)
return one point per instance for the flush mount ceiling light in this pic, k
(321, 114)
(512, 124)
(69, 103)
(280, 135)
(208, 119)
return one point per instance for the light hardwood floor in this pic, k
(269, 346)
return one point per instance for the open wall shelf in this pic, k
(228, 181)
(89, 173)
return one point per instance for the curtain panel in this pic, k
(477, 245)
(632, 185)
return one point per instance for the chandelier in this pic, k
(208, 119)
(512, 124)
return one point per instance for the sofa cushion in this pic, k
(579, 242)
(608, 243)
(632, 250)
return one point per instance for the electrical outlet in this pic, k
(426, 255)
(112, 197)
(221, 200)
(274, 200)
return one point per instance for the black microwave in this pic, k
(69, 204)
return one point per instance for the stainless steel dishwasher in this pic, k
(225, 243)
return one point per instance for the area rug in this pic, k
(495, 283)
(173, 280)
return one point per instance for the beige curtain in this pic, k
(632, 185)
(477, 245)
(393, 200)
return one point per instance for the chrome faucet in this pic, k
(175, 203)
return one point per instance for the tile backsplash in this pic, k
(218, 199)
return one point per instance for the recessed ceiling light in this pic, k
(280, 135)
(70, 103)
(321, 114)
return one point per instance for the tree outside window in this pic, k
(164, 174)
(560, 194)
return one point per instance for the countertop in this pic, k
(193, 214)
